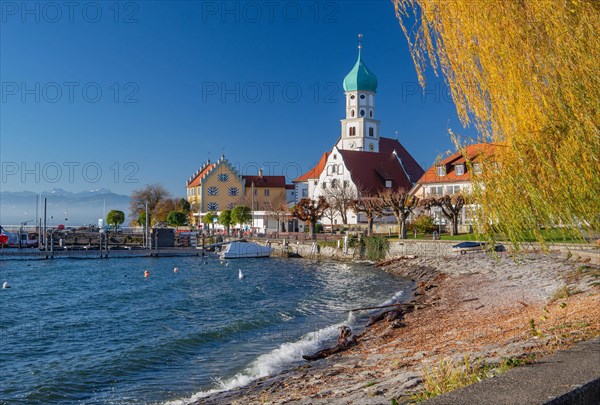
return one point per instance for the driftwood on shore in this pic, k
(345, 341)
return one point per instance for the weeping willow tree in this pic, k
(525, 75)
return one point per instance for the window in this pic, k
(371, 147)
(334, 157)
(340, 168)
(362, 96)
(352, 131)
(346, 184)
(459, 170)
(233, 191)
(223, 177)
(323, 186)
(213, 191)
(476, 168)
(304, 192)
(267, 192)
(213, 206)
(371, 131)
(352, 113)
(388, 184)
(441, 170)
(438, 190)
(362, 113)
(371, 113)
(352, 97)
(231, 206)
(315, 182)
(334, 183)
(333, 167)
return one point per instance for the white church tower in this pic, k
(360, 129)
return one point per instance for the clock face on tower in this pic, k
(352, 144)
(371, 147)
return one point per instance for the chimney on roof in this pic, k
(260, 173)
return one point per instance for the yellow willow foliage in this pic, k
(526, 74)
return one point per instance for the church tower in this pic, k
(360, 129)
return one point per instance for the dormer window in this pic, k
(476, 168)
(441, 170)
(388, 184)
(459, 170)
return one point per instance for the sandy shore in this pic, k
(470, 305)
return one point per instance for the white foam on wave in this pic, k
(281, 358)
(273, 362)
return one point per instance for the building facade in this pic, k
(361, 162)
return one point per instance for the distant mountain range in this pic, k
(81, 208)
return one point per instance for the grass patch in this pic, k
(376, 248)
(562, 293)
(446, 377)
(369, 384)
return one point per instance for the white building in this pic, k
(361, 160)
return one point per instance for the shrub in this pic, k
(423, 224)
(376, 247)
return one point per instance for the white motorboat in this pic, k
(240, 250)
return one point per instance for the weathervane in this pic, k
(396, 134)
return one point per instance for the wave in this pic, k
(280, 359)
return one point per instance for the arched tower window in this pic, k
(362, 113)
(352, 113)
(371, 113)
(370, 131)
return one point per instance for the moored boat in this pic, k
(240, 250)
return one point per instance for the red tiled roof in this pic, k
(315, 172)
(412, 168)
(196, 181)
(265, 181)
(370, 170)
(473, 153)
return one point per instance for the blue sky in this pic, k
(118, 95)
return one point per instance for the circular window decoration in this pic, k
(352, 97)
(362, 96)
(371, 147)
(362, 113)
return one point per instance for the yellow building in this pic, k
(269, 192)
(215, 187)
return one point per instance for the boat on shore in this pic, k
(243, 250)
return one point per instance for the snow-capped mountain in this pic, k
(64, 207)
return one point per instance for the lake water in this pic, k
(97, 331)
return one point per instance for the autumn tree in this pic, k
(311, 211)
(401, 204)
(525, 75)
(151, 194)
(451, 206)
(278, 210)
(340, 198)
(372, 207)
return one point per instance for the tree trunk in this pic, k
(369, 226)
(454, 230)
(313, 230)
